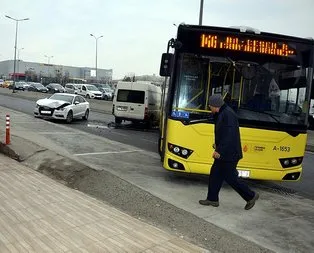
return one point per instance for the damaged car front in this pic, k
(54, 107)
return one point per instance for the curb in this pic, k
(8, 151)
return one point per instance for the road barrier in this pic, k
(7, 129)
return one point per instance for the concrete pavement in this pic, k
(37, 214)
(277, 223)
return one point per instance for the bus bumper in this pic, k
(174, 163)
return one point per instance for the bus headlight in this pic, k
(179, 151)
(184, 152)
(176, 150)
(291, 162)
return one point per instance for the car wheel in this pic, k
(85, 117)
(117, 120)
(69, 118)
(87, 96)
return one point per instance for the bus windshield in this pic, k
(261, 93)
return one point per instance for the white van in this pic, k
(137, 102)
(90, 91)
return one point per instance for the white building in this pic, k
(42, 70)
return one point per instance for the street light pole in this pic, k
(96, 38)
(15, 46)
(18, 59)
(201, 13)
(49, 57)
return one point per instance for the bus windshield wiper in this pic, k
(203, 120)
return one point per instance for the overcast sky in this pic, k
(135, 31)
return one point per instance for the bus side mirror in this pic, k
(166, 64)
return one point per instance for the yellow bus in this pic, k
(266, 78)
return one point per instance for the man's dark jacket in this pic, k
(227, 135)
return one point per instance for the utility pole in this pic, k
(201, 12)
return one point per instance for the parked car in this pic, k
(37, 87)
(62, 106)
(55, 88)
(18, 86)
(7, 84)
(72, 88)
(107, 92)
(90, 91)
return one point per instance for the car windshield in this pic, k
(91, 88)
(265, 92)
(62, 97)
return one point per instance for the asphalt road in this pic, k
(99, 124)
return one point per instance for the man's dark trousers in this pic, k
(225, 170)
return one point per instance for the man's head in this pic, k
(215, 102)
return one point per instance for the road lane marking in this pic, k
(97, 126)
(57, 133)
(108, 152)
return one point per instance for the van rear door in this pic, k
(131, 103)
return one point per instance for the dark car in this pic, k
(37, 87)
(55, 88)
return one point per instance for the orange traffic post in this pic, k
(7, 129)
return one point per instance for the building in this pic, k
(41, 71)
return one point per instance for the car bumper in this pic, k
(50, 113)
(97, 96)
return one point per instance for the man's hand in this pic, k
(216, 155)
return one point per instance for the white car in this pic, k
(62, 106)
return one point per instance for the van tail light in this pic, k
(146, 113)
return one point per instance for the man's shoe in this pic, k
(251, 202)
(207, 202)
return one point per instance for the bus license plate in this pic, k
(243, 173)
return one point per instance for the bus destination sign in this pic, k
(234, 43)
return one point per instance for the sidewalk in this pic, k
(38, 214)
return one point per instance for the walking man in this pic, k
(228, 152)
